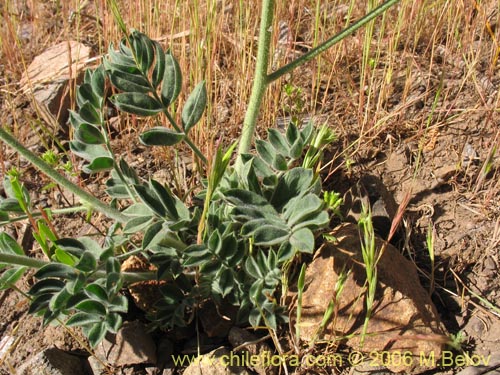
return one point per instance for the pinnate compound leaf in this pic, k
(39, 303)
(87, 262)
(97, 292)
(278, 141)
(269, 235)
(160, 136)
(137, 103)
(9, 245)
(151, 235)
(149, 198)
(75, 285)
(58, 301)
(112, 265)
(55, 270)
(89, 134)
(240, 197)
(120, 60)
(172, 80)
(314, 221)
(82, 319)
(144, 50)
(128, 172)
(279, 162)
(89, 114)
(96, 334)
(10, 205)
(299, 208)
(98, 80)
(196, 255)
(137, 209)
(307, 133)
(11, 276)
(91, 307)
(99, 164)
(129, 82)
(88, 152)
(85, 93)
(292, 133)
(4, 216)
(224, 284)
(137, 223)
(293, 183)
(165, 197)
(253, 268)
(119, 304)
(194, 107)
(159, 68)
(303, 240)
(265, 151)
(113, 322)
(46, 286)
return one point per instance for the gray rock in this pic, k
(371, 192)
(48, 76)
(217, 362)
(54, 361)
(130, 346)
(403, 320)
(248, 342)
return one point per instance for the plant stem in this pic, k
(61, 180)
(60, 211)
(260, 80)
(21, 260)
(330, 42)
(24, 261)
(186, 138)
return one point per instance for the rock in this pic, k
(165, 349)
(217, 320)
(131, 345)
(487, 364)
(48, 76)
(370, 190)
(217, 362)
(53, 361)
(404, 319)
(98, 366)
(143, 292)
(238, 336)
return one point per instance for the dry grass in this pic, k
(402, 79)
(352, 84)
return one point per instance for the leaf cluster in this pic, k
(232, 249)
(73, 287)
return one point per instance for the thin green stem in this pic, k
(24, 261)
(330, 42)
(260, 82)
(262, 79)
(61, 180)
(186, 139)
(59, 211)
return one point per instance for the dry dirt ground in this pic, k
(446, 163)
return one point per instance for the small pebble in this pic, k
(469, 155)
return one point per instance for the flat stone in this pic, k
(130, 346)
(48, 76)
(239, 337)
(217, 320)
(370, 191)
(403, 320)
(53, 361)
(217, 362)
